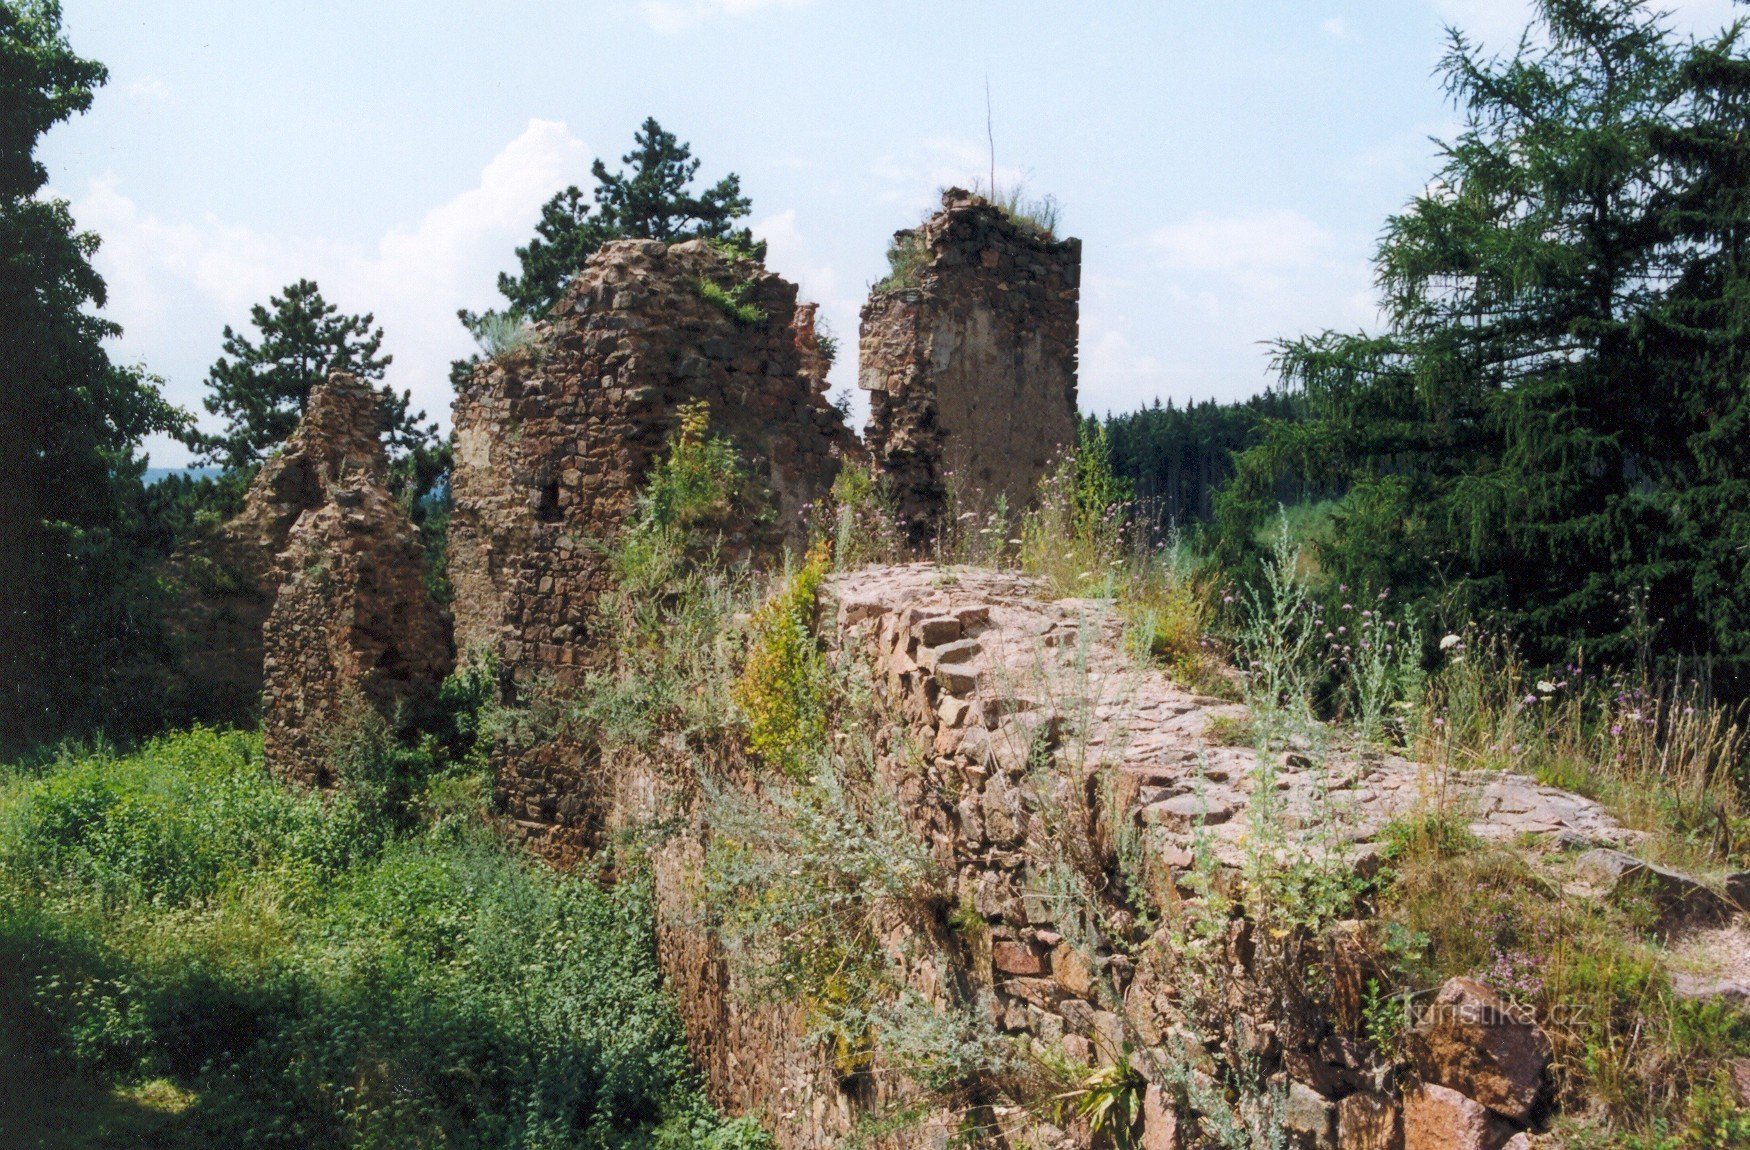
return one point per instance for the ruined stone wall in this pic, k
(1035, 726)
(554, 440)
(353, 626)
(970, 362)
(226, 581)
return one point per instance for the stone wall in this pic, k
(970, 364)
(1039, 736)
(227, 580)
(554, 440)
(353, 626)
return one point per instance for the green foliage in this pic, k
(798, 881)
(652, 199)
(312, 976)
(1626, 1048)
(1551, 429)
(1074, 537)
(260, 388)
(1176, 458)
(501, 332)
(907, 257)
(863, 522)
(785, 686)
(79, 645)
(1110, 1101)
(731, 300)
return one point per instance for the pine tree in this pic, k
(651, 199)
(1693, 446)
(76, 637)
(260, 387)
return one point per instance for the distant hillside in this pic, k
(154, 474)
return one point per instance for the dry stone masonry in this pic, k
(228, 580)
(553, 442)
(353, 627)
(1010, 696)
(970, 362)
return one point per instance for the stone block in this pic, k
(1474, 1041)
(1436, 1118)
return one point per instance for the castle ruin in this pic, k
(968, 353)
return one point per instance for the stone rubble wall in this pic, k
(353, 626)
(554, 440)
(987, 675)
(971, 368)
(227, 580)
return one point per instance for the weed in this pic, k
(784, 687)
(907, 257)
(732, 300)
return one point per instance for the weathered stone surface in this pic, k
(1678, 900)
(1309, 1119)
(553, 443)
(226, 580)
(971, 369)
(1368, 1121)
(1476, 1042)
(1436, 1118)
(352, 626)
(1160, 1122)
(1738, 889)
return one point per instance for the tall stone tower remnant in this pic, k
(968, 353)
(555, 439)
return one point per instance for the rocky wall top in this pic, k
(969, 358)
(1021, 731)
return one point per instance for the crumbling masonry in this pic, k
(353, 630)
(228, 579)
(968, 354)
(553, 441)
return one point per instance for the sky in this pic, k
(1228, 166)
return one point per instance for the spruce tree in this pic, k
(76, 634)
(1487, 440)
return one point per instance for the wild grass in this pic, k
(907, 257)
(1631, 1057)
(306, 974)
(501, 332)
(1663, 758)
(1039, 215)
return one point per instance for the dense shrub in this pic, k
(315, 977)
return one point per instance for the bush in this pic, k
(731, 300)
(312, 976)
(784, 688)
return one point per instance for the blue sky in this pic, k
(1227, 166)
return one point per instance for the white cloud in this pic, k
(1335, 27)
(1257, 251)
(148, 91)
(672, 16)
(166, 275)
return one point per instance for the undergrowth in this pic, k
(308, 973)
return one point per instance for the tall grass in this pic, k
(1663, 758)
